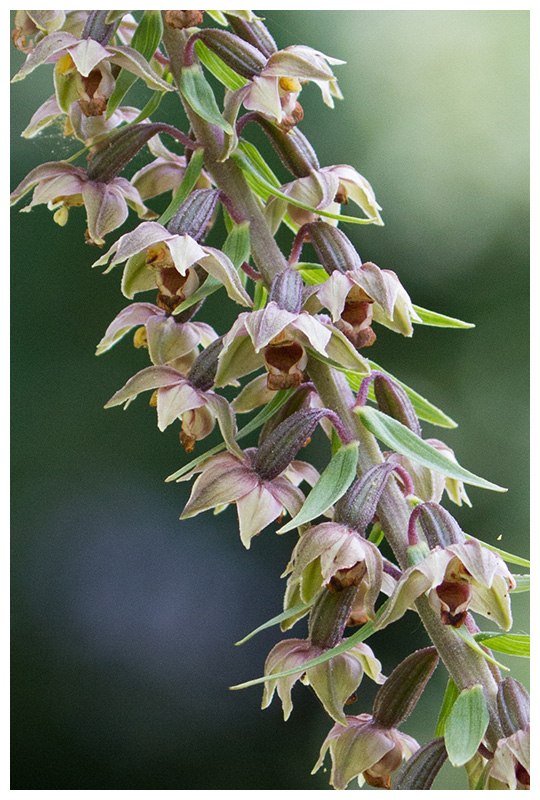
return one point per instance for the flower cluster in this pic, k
(305, 364)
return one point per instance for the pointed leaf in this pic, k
(508, 557)
(333, 483)
(437, 320)
(404, 441)
(290, 612)
(466, 725)
(189, 180)
(467, 637)
(450, 697)
(198, 93)
(514, 644)
(422, 768)
(237, 244)
(219, 69)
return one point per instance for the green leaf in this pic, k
(513, 644)
(269, 410)
(189, 180)
(450, 697)
(261, 296)
(218, 16)
(437, 320)
(404, 441)
(263, 187)
(151, 106)
(333, 483)
(508, 557)
(290, 612)
(523, 584)
(424, 409)
(219, 69)
(237, 245)
(210, 286)
(199, 95)
(361, 635)
(313, 274)
(469, 639)
(466, 725)
(256, 163)
(145, 40)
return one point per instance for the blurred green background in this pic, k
(124, 618)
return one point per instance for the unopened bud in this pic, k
(334, 250)
(239, 55)
(398, 696)
(438, 525)
(203, 372)
(421, 770)
(358, 505)
(97, 27)
(287, 289)
(183, 19)
(293, 404)
(195, 214)
(329, 615)
(255, 32)
(394, 401)
(514, 706)
(294, 150)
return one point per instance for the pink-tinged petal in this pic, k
(184, 251)
(173, 401)
(49, 49)
(132, 197)
(299, 471)
(299, 62)
(145, 235)
(288, 496)
(105, 210)
(168, 340)
(46, 113)
(210, 467)
(287, 654)
(317, 334)
(128, 318)
(221, 267)
(263, 95)
(87, 129)
(236, 360)
(265, 324)
(414, 582)
(206, 333)
(218, 485)
(256, 509)
(254, 394)
(198, 424)
(333, 293)
(358, 190)
(356, 750)
(323, 541)
(61, 186)
(143, 381)
(226, 420)
(340, 350)
(317, 190)
(376, 285)
(372, 665)
(479, 561)
(51, 169)
(134, 62)
(494, 602)
(158, 177)
(86, 55)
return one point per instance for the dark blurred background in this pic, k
(124, 618)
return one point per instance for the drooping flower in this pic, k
(366, 751)
(154, 254)
(84, 70)
(274, 91)
(165, 173)
(31, 26)
(456, 578)
(86, 129)
(510, 767)
(324, 189)
(334, 681)
(278, 339)
(62, 186)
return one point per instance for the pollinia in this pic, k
(299, 347)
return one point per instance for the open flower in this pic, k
(274, 91)
(29, 24)
(84, 70)
(430, 485)
(277, 339)
(511, 764)
(168, 340)
(366, 751)
(165, 173)
(153, 254)
(456, 578)
(333, 681)
(87, 129)
(61, 186)
(359, 296)
(228, 478)
(324, 189)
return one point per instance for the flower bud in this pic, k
(294, 150)
(97, 27)
(111, 156)
(438, 526)
(195, 214)
(286, 290)
(394, 401)
(421, 770)
(253, 31)
(183, 19)
(358, 505)
(298, 401)
(203, 372)
(329, 616)
(334, 250)
(398, 696)
(514, 706)
(239, 55)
